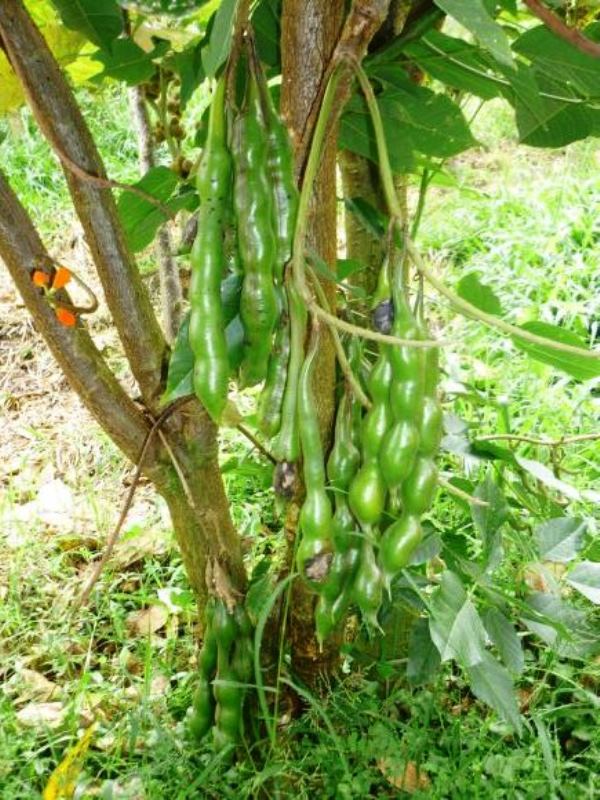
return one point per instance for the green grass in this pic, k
(524, 220)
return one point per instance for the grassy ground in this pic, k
(526, 221)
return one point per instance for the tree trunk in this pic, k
(309, 32)
(194, 491)
(360, 179)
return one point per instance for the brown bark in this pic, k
(360, 179)
(62, 123)
(203, 527)
(309, 31)
(171, 295)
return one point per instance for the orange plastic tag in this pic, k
(66, 317)
(61, 278)
(40, 278)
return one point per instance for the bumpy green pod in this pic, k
(367, 590)
(380, 378)
(420, 487)
(343, 524)
(398, 453)
(344, 458)
(207, 329)
(203, 710)
(280, 165)
(256, 237)
(315, 523)
(367, 494)
(374, 427)
(398, 544)
(431, 426)
(271, 398)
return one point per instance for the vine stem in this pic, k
(375, 336)
(310, 173)
(488, 319)
(452, 489)
(516, 437)
(396, 212)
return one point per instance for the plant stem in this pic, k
(367, 333)
(312, 166)
(493, 322)
(582, 437)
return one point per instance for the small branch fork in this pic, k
(561, 29)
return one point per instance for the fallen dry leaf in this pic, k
(159, 685)
(148, 620)
(41, 715)
(411, 779)
(36, 686)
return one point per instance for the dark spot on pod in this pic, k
(317, 568)
(284, 478)
(383, 316)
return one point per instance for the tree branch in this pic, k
(62, 123)
(562, 30)
(362, 23)
(21, 250)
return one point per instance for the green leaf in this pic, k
(356, 134)
(545, 475)
(489, 519)
(474, 16)
(480, 295)
(128, 62)
(188, 65)
(423, 657)
(100, 21)
(267, 30)
(455, 626)
(346, 267)
(372, 220)
(172, 7)
(181, 364)
(491, 683)
(455, 63)
(215, 53)
(559, 624)
(579, 367)
(503, 634)
(140, 218)
(560, 539)
(258, 595)
(585, 577)
(555, 57)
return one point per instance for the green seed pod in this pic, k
(398, 453)
(367, 494)
(398, 544)
(420, 487)
(367, 591)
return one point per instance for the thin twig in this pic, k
(107, 183)
(345, 366)
(561, 29)
(515, 437)
(259, 445)
(112, 539)
(452, 489)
